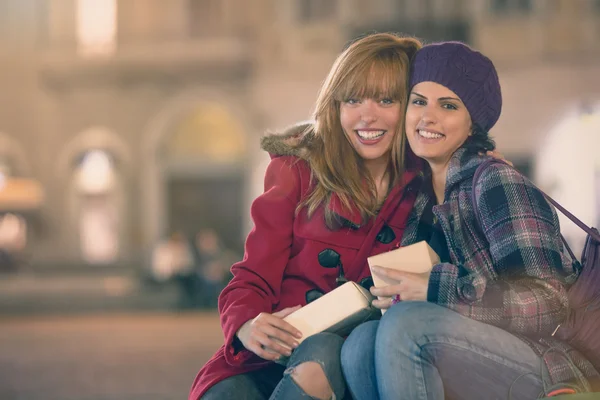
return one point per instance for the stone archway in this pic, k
(19, 196)
(95, 137)
(12, 151)
(95, 204)
(187, 140)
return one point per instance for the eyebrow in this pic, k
(441, 98)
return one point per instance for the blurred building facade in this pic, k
(128, 120)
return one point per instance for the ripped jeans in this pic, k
(275, 381)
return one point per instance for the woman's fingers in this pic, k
(386, 291)
(286, 311)
(382, 303)
(270, 345)
(274, 356)
(388, 273)
(269, 336)
(279, 323)
(409, 285)
(260, 350)
(282, 336)
(274, 335)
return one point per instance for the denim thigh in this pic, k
(255, 385)
(426, 351)
(322, 348)
(358, 361)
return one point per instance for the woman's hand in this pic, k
(258, 335)
(499, 156)
(409, 286)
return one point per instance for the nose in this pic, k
(368, 111)
(428, 116)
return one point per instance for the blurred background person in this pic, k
(213, 262)
(13, 238)
(205, 270)
(172, 257)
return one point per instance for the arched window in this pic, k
(203, 160)
(98, 219)
(96, 27)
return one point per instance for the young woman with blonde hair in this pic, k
(335, 194)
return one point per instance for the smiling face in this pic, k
(370, 126)
(437, 122)
(370, 109)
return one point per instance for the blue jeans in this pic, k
(419, 350)
(275, 382)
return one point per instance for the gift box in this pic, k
(418, 258)
(338, 311)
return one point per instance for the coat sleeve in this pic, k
(256, 282)
(524, 291)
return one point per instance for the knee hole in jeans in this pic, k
(311, 378)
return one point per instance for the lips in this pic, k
(370, 136)
(427, 134)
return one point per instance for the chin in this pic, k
(423, 153)
(371, 157)
(371, 154)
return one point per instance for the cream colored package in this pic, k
(417, 258)
(338, 311)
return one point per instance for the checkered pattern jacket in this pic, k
(511, 272)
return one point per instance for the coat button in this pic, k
(312, 295)
(367, 282)
(468, 292)
(329, 258)
(386, 235)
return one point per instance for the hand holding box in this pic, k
(417, 258)
(338, 311)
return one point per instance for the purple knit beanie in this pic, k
(468, 73)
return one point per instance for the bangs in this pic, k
(381, 78)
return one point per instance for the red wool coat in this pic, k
(281, 266)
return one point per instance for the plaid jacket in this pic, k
(512, 271)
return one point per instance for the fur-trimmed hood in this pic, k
(295, 140)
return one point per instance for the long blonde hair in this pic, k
(375, 66)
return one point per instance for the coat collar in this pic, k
(353, 215)
(462, 166)
(295, 140)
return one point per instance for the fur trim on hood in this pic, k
(295, 140)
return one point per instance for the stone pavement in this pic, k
(126, 356)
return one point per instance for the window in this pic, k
(13, 238)
(448, 9)
(96, 27)
(98, 218)
(96, 173)
(316, 10)
(205, 17)
(511, 6)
